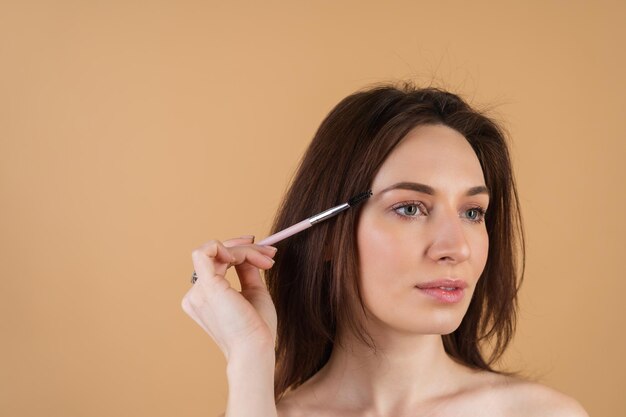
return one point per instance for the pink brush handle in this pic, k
(285, 233)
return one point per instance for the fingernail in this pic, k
(249, 237)
(273, 261)
(273, 248)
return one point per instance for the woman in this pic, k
(396, 307)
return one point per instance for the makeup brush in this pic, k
(318, 218)
(305, 224)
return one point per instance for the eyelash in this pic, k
(420, 206)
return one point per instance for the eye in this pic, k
(475, 214)
(409, 209)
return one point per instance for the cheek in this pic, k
(374, 245)
(480, 252)
(382, 258)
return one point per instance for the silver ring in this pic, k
(194, 277)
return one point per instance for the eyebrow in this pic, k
(427, 189)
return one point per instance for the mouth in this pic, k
(445, 291)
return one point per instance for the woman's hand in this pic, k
(238, 321)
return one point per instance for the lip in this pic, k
(432, 289)
(450, 283)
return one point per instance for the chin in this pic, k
(438, 322)
(439, 328)
(415, 322)
(442, 325)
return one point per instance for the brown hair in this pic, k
(314, 282)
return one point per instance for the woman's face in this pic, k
(423, 224)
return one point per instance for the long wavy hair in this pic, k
(316, 293)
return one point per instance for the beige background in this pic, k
(131, 132)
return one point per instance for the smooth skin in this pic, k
(242, 324)
(405, 237)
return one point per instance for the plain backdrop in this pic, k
(133, 131)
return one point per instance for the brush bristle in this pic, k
(360, 198)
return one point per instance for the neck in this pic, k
(402, 371)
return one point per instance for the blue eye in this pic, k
(477, 216)
(415, 209)
(409, 209)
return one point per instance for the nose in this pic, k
(449, 242)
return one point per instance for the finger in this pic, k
(248, 270)
(211, 260)
(242, 240)
(268, 251)
(248, 241)
(254, 255)
(249, 277)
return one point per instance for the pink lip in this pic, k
(433, 289)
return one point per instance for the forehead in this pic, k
(435, 155)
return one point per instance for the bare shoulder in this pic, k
(486, 394)
(521, 397)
